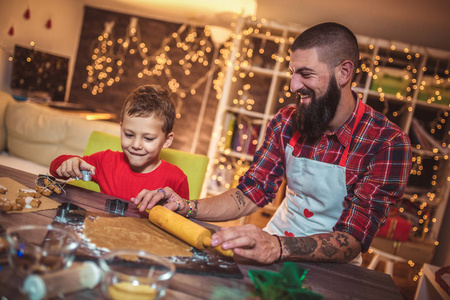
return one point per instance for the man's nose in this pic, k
(296, 83)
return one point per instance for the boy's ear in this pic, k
(169, 140)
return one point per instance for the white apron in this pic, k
(314, 195)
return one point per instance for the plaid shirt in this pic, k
(377, 168)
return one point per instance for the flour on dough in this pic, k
(135, 234)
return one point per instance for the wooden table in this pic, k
(333, 281)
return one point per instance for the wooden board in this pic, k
(12, 194)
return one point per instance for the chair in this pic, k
(387, 258)
(193, 165)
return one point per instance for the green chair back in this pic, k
(193, 165)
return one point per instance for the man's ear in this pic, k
(344, 73)
(169, 140)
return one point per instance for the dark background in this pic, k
(152, 32)
(37, 71)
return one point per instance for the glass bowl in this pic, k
(38, 249)
(134, 274)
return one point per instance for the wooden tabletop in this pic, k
(332, 281)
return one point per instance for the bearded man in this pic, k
(344, 164)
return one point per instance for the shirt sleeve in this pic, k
(183, 189)
(262, 180)
(54, 165)
(382, 184)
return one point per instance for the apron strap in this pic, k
(358, 118)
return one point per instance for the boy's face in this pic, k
(142, 139)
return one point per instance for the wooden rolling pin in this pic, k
(183, 228)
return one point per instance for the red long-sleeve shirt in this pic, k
(116, 178)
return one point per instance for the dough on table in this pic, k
(135, 234)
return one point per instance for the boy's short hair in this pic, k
(150, 100)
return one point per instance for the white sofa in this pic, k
(32, 135)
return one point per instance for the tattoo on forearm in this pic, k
(194, 208)
(327, 248)
(348, 254)
(333, 246)
(239, 199)
(302, 246)
(342, 239)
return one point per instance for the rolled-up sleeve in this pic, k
(381, 185)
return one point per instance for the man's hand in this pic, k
(250, 242)
(72, 168)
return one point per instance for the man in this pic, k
(344, 163)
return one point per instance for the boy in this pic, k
(147, 119)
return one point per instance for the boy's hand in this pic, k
(72, 168)
(147, 199)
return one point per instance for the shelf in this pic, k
(237, 155)
(264, 71)
(427, 287)
(433, 105)
(246, 112)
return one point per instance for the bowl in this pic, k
(39, 249)
(134, 274)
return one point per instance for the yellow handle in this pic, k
(183, 228)
(207, 243)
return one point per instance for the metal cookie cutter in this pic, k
(116, 206)
(87, 176)
(69, 213)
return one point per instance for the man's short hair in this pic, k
(148, 101)
(335, 43)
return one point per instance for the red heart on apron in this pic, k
(287, 233)
(307, 213)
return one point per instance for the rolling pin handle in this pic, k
(207, 243)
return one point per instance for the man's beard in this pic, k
(313, 119)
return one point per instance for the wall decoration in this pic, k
(48, 24)
(119, 52)
(37, 71)
(27, 14)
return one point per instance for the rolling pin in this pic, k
(184, 229)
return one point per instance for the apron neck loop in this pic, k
(359, 114)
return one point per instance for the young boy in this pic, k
(147, 119)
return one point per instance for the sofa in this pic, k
(33, 134)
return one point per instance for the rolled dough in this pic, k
(135, 234)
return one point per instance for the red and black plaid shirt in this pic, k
(377, 169)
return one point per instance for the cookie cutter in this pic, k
(86, 175)
(116, 206)
(69, 213)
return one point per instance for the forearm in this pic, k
(325, 247)
(230, 205)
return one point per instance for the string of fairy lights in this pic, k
(109, 57)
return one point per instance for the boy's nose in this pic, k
(136, 144)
